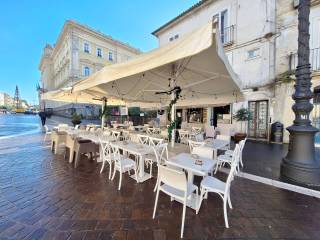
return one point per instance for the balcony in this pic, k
(314, 60)
(227, 35)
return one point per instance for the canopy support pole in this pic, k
(173, 118)
(104, 104)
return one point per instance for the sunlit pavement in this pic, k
(43, 197)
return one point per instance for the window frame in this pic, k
(86, 71)
(110, 56)
(99, 50)
(85, 49)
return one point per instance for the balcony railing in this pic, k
(227, 35)
(314, 60)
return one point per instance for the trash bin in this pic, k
(277, 132)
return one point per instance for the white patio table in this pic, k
(216, 144)
(140, 150)
(187, 162)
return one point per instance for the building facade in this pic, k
(79, 52)
(6, 100)
(260, 41)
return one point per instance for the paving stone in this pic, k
(43, 197)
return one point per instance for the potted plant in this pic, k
(243, 115)
(75, 119)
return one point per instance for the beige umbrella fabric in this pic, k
(196, 62)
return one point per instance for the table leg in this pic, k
(141, 167)
(215, 154)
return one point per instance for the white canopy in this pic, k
(196, 62)
(65, 95)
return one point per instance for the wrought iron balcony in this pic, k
(227, 35)
(314, 60)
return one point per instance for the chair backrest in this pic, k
(105, 150)
(234, 164)
(125, 134)
(224, 138)
(149, 131)
(161, 153)
(205, 152)
(134, 138)
(210, 132)
(107, 132)
(156, 131)
(116, 134)
(155, 141)
(143, 139)
(196, 130)
(193, 144)
(116, 154)
(172, 178)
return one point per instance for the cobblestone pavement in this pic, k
(43, 197)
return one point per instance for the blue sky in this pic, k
(27, 25)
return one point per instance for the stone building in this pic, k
(260, 41)
(79, 52)
(6, 100)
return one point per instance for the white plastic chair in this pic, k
(143, 139)
(125, 135)
(106, 155)
(242, 144)
(212, 184)
(228, 159)
(210, 132)
(193, 144)
(156, 131)
(149, 131)
(116, 135)
(174, 183)
(47, 133)
(159, 151)
(122, 164)
(155, 141)
(184, 136)
(77, 127)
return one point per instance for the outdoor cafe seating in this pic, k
(121, 151)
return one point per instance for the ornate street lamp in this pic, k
(300, 165)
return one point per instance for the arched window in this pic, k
(86, 71)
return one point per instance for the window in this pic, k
(110, 56)
(86, 71)
(254, 53)
(86, 48)
(224, 25)
(99, 52)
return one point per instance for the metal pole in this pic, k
(173, 118)
(104, 104)
(300, 165)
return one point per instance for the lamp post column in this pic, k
(300, 165)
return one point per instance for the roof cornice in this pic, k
(182, 15)
(73, 24)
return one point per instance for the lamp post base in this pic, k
(300, 166)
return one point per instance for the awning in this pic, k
(65, 95)
(196, 62)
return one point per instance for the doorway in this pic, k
(217, 115)
(258, 125)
